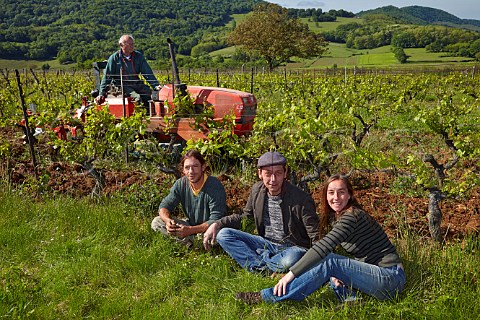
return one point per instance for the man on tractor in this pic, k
(130, 64)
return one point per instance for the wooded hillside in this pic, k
(82, 31)
(76, 30)
(423, 16)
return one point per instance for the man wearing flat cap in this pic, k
(285, 218)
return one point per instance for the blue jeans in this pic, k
(382, 283)
(256, 253)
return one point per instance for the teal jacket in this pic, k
(130, 70)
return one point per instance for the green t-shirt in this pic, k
(209, 205)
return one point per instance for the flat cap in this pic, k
(271, 158)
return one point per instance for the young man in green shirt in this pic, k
(202, 197)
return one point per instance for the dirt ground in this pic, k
(373, 190)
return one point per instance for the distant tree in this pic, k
(342, 13)
(400, 54)
(271, 33)
(326, 17)
(343, 31)
(475, 48)
(404, 40)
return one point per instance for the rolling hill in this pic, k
(423, 16)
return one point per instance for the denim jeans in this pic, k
(256, 253)
(382, 283)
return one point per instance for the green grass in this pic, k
(225, 52)
(342, 56)
(239, 17)
(33, 64)
(420, 55)
(63, 259)
(329, 26)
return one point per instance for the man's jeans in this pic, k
(256, 253)
(382, 283)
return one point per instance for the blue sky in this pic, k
(464, 9)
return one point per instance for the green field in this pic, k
(329, 26)
(341, 56)
(33, 64)
(70, 259)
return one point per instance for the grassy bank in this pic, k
(34, 64)
(65, 258)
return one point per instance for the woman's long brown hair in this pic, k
(326, 211)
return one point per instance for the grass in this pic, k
(33, 64)
(63, 258)
(341, 56)
(328, 26)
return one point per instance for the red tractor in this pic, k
(224, 101)
(242, 105)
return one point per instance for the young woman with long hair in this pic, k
(372, 266)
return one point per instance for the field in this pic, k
(66, 258)
(329, 26)
(32, 64)
(73, 247)
(341, 56)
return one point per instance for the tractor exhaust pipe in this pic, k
(178, 86)
(175, 76)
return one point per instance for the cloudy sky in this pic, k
(464, 9)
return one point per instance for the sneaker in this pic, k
(249, 297)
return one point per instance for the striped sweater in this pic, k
(360, 235)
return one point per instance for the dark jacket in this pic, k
(130, 70)
(300, 219)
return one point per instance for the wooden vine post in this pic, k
(27, 128)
